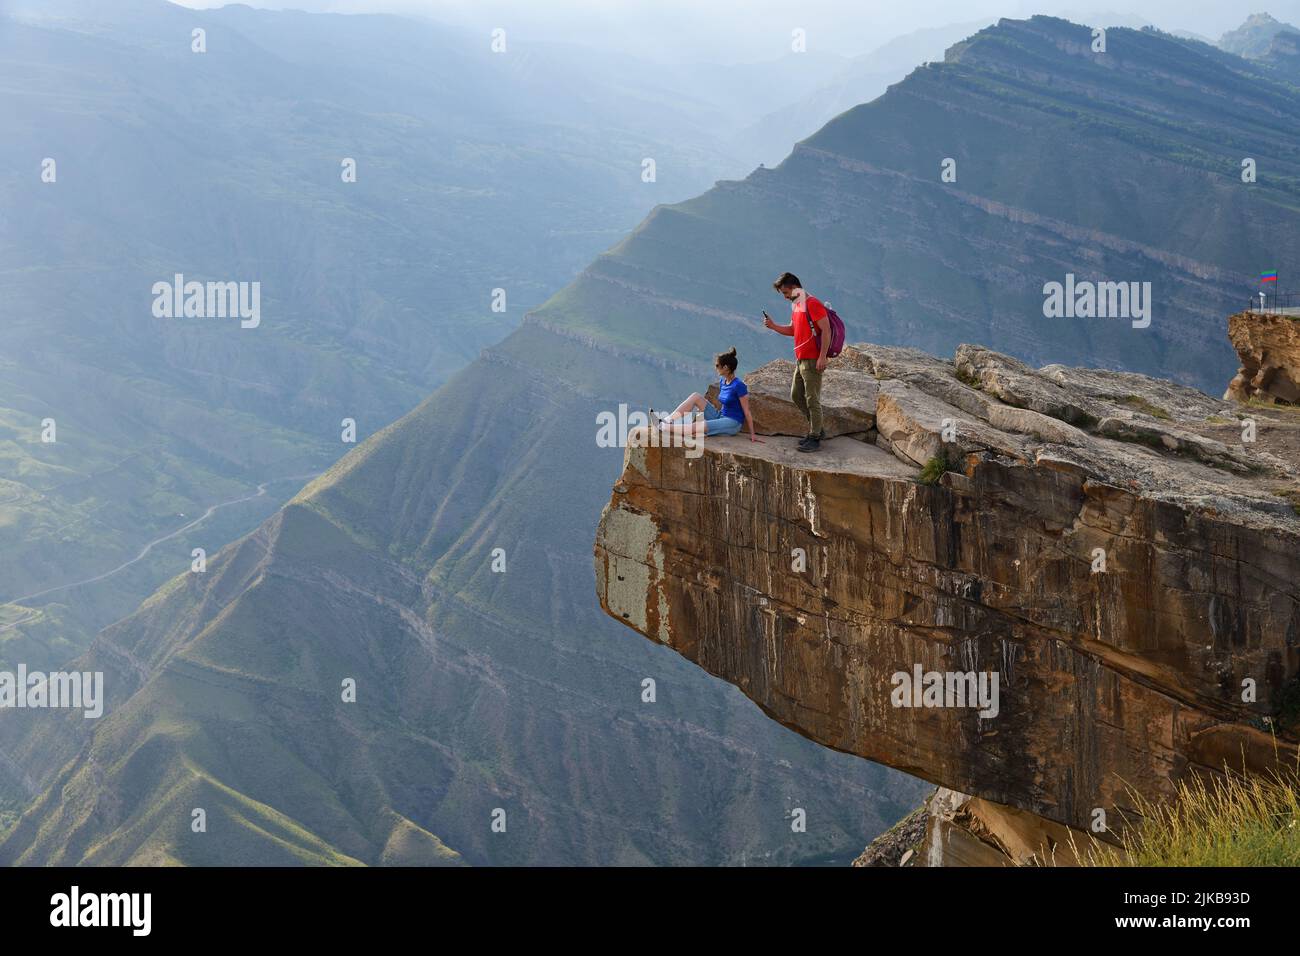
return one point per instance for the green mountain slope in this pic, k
(480, 689)
(1122, 166)
(474, 173)
(475, 689)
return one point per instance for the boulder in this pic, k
(848, 400)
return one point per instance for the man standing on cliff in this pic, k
(812, 338)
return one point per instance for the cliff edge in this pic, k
(1269, 347)
(1041, 589)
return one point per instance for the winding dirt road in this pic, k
(261, 490)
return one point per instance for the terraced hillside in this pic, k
(480, 689)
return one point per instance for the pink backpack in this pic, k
(837, 330)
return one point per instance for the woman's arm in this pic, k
(749, 419)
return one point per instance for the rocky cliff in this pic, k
(1044, 590)
(1269, 347)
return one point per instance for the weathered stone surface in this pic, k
(962, 830)
(1122, 589)
(848, 397)
(900, 844)
(956, 829)
(1016, 384)
(1269, 347)
(914, 367)
(917, 427)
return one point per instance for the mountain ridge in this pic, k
(474, 174)
(503, 456)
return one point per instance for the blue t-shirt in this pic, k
(729, 394)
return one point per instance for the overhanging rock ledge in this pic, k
(1102, 541)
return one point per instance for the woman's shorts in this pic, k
(716, 423)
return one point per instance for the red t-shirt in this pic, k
(806, 344)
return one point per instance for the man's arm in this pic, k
(823, 337)
(783, 329)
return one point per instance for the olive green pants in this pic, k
(806, 393)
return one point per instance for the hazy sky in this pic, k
(750, 30)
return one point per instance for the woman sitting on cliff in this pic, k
(726, 419)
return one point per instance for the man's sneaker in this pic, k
(805, 440)
(811, 443)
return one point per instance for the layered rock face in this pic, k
(1041, 589)
(1269, 346)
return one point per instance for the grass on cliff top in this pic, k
(1273, 406)
(1227, 821)
(933, 470)
(1138, 403)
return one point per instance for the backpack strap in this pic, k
(807, 314)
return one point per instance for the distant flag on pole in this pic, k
(1268, 276)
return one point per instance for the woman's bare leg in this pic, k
(693, 404)
(694, 430)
